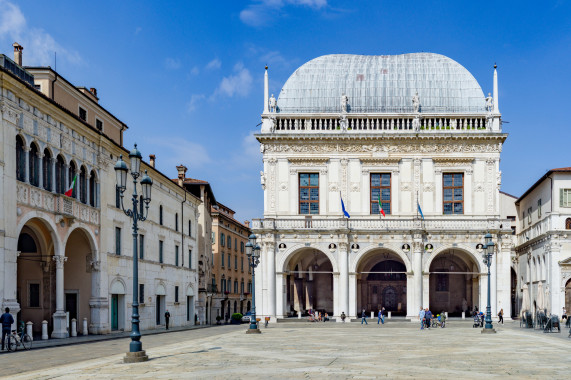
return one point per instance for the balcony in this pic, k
(552, 222)
(390, 224)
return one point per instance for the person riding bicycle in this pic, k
(7, 320)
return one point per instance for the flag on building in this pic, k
(343, 206)
(419, 210)
(69, 191)
(381, 211)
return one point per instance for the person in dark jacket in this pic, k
(167, 317)
(7, 320)
(428, 317)
(364, 317)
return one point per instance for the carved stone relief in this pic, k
(444, 147)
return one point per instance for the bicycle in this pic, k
(23, 339)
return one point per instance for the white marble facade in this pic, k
(327, 262)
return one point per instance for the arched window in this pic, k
(70, 176)
(34, 165)
(47, 170)
(176, 221)
(60, 174)
(236, 286)
(83, 185)
(161, 215)
(568, 224)
(92, 190)
(20, 160)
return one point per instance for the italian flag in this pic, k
(69, 191)
(381, 207)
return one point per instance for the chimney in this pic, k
(18, 53)
(93, 91)
(181, 174)
(152, 160)
(247, 223)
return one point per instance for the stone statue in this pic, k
(344, 102)
(263, 180)
(343, 123)
(489, 103)
(262, 148)
(464, 305)
(416, 103)
(273, 103)
(416, 123)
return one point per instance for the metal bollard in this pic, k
(372, 315)
(73, 327)
(29, 325)
(299, 315)
(463, 315)
(85, 332)
(446, 314)
(45, 330)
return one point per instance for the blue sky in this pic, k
(187, 76)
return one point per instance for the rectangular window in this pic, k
(141, 246)
(222, 260)
(141, 293)
(308, 193)
(117, 198)
(99, 124)
(117, 240)
(529, 215)
(380, 189)
(190, 259)
(176, 294)
(241, 247)
(453, 193)
(539, 209)
(34, 295)
(176, 222)
(190, 228)
(242, 287)
(235, 262)
(176, 255)
(82, 114)
(250, 287)
(242, 264)
(229, 264)
(160, 251)
(235, 244)
(229, 242)
(222, 240)
(442, 283)
(565, 197)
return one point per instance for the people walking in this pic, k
(421, 318)
(7, 320)
(383, 312)
(427, 317)
(364, 317)
(167, 317)
(501, 316)
(343, 316)
(379, 316)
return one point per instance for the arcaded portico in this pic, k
(411, 145)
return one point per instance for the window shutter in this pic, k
(560, 197)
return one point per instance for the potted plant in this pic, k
(236, 319)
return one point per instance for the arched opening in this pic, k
(20, 160)
(34, 165)
(248, 307)
(92, 190)
(514, 299)
(309, 283)
(454, 283)
(77, 277)
(568, 296)
(235, 306)
(47, 170)
(83, 185)
(381, 282)
(70, 177)
(36, 280)
(568, 224)
(60, 174)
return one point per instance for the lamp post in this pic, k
(136, 353)
(488, 253)
(253, 253)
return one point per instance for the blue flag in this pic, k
(420, 210)
(343, 207)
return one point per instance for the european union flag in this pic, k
(343, 207)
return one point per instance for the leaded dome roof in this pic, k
(381, 84)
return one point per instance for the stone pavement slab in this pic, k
(337, 351)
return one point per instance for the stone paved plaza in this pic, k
(307, 351)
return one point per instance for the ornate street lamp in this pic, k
(488, 253)
(253, 253)
(136, 353)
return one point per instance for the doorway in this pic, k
(71, 300)
(160, 307)
(114, 312)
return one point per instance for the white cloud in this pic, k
(39, 46)
(214, 64)
(194, 99)
(172, 63)
(195, 70)
(261, 12)
(238, 83)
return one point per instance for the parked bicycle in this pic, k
(22, 339)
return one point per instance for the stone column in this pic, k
(483, 301)
(280, 294)
(553, 248)
(53, 169)
(494, 284)
(343, 286)
(271, 257)
(98, 303)
(503, 277)
(417, 269)
(40, 170)
(60, 325)
(87, 182)
(65, 177)
(27, 160)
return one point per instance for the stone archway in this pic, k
(381, 282)
(309, 282)
(454, 282)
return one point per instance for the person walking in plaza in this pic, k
(364, 317)
(7, 320)
(421, 318)
(427, 317)
(343, 316)
(379, 316)
(501, 316)
(167, 317)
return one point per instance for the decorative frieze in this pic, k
(406, 148)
